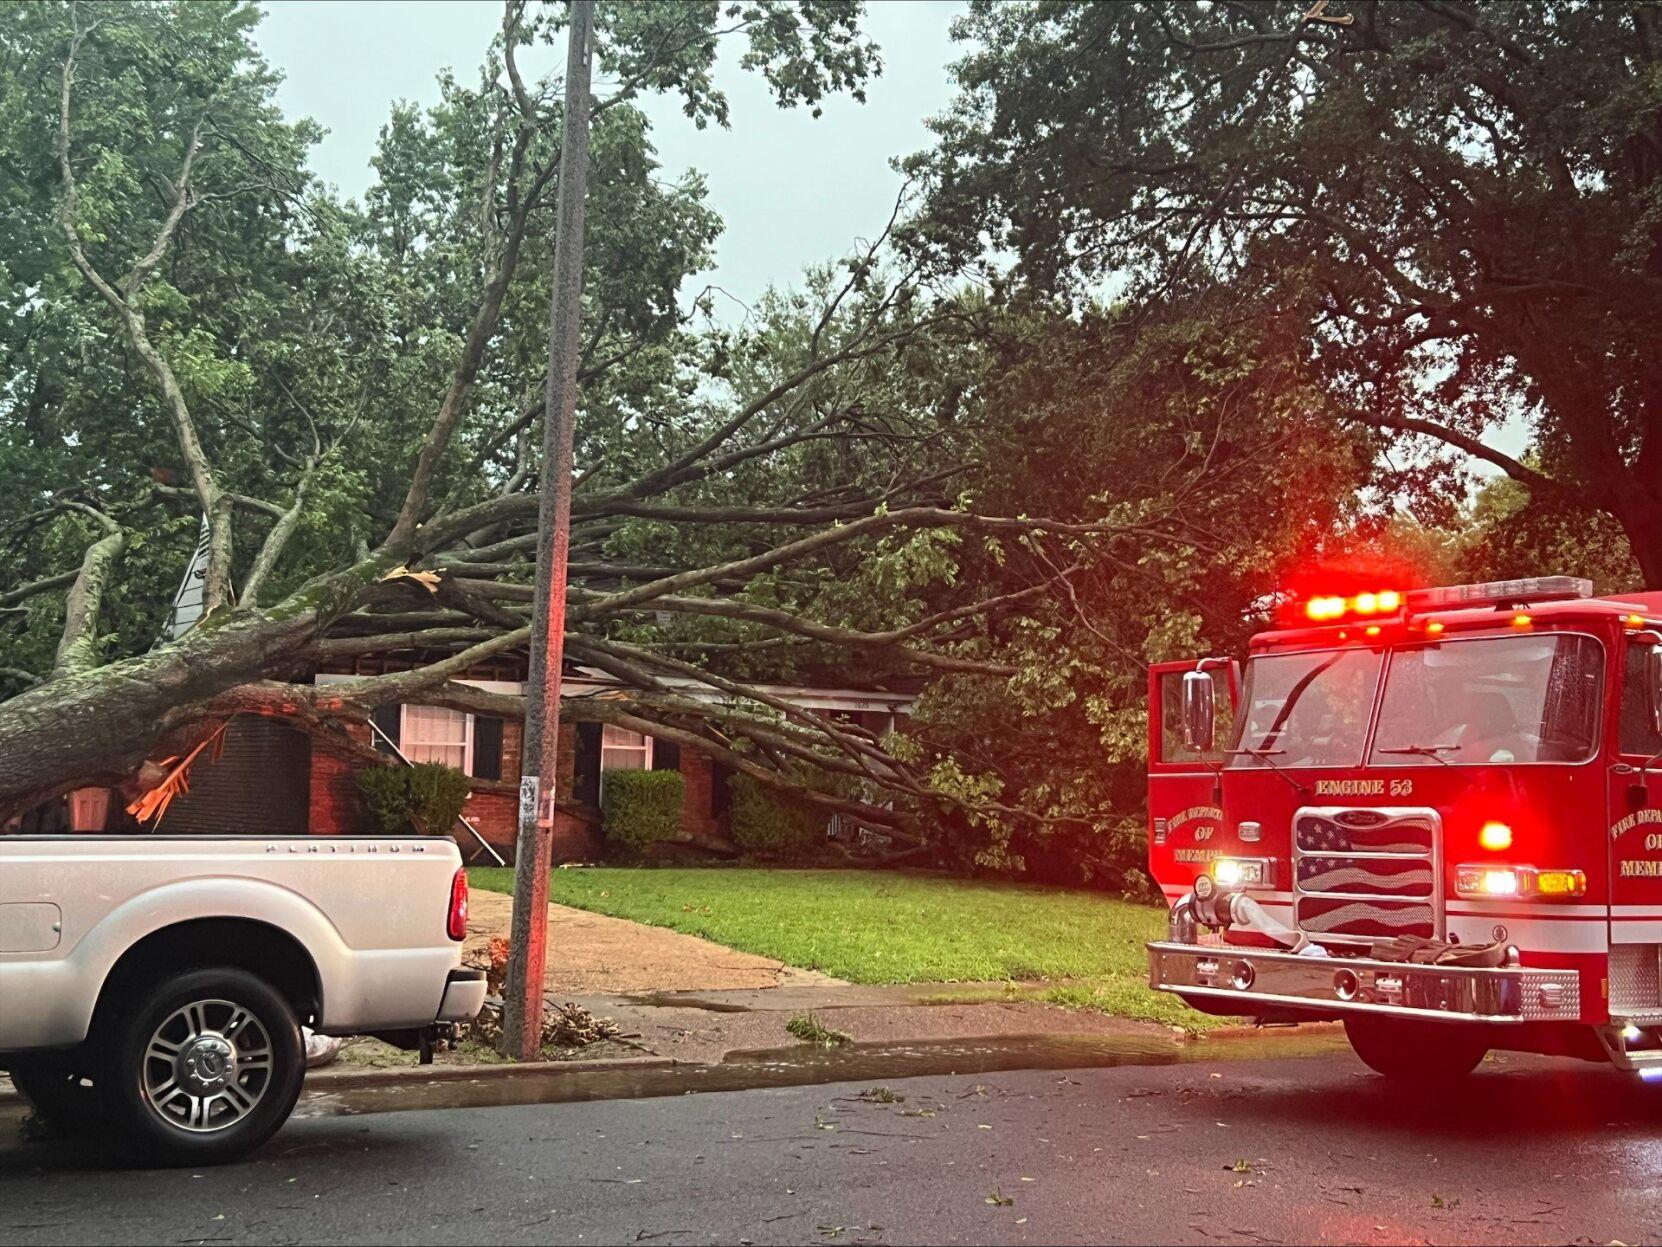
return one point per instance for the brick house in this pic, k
(489, 749)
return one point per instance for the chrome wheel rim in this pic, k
(207, 1066)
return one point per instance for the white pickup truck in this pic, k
(159, 983)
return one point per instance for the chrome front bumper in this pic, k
(1260, 981)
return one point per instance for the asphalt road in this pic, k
(1261, 1151)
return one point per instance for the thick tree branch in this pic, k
(217, 578)
(401, 539)
(11, 597)
(908, 517)
(1538, 482)
(787, 621)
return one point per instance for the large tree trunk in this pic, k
(99, 726)
(1639, 509)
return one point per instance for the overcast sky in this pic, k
(792, 190)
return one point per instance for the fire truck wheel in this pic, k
(1420, 1052)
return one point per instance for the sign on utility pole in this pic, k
(528, 945)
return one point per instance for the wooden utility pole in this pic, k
(528, 955)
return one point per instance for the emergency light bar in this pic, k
(1502, 593)
(1330, 608)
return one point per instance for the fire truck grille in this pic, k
(1365, 874)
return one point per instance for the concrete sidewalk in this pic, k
(690, 1000)
(687, 999)
(594, 954)
(709, 1027)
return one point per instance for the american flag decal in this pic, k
(1364, 831)
(1364, 877)
(1366, 873)
(1364, 919)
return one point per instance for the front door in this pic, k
(1184, 789)
(1636, 847)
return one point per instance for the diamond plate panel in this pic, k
(1550, 997)
(1635, 978)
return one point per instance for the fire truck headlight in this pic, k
(1487, 881)
(1241, 872)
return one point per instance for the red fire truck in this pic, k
(1433, 814)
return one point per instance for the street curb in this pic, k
(335, 1079)
(350, 1079)
(353, 1079)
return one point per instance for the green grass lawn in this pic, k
(881, 927)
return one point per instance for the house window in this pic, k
(623, 750)
(437, 734)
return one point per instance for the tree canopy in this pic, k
(1461, 201)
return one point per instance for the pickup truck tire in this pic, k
(205, 1069)
(61, 1093)
(1429, 1054)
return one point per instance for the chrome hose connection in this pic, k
(1208, 905)
(1246, 912)
(1181, 926)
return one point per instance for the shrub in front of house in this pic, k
(641, 808)
(427, 797)
(770, 823)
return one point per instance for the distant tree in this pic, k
(1462, 200)
(1511, 534)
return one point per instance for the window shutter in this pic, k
(666, 755)
(487, 747)
(588, 763)
(388, 719)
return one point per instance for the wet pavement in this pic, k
(1188, 1148)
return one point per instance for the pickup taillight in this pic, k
(455, 923)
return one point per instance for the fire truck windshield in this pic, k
(1485, 700)
(1493, 699)
(1307, 709)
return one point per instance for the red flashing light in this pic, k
(1330, 607)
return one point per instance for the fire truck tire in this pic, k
(1428, 1053)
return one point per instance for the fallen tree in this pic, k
(797, 493)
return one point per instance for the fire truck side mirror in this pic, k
(1200, 711)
